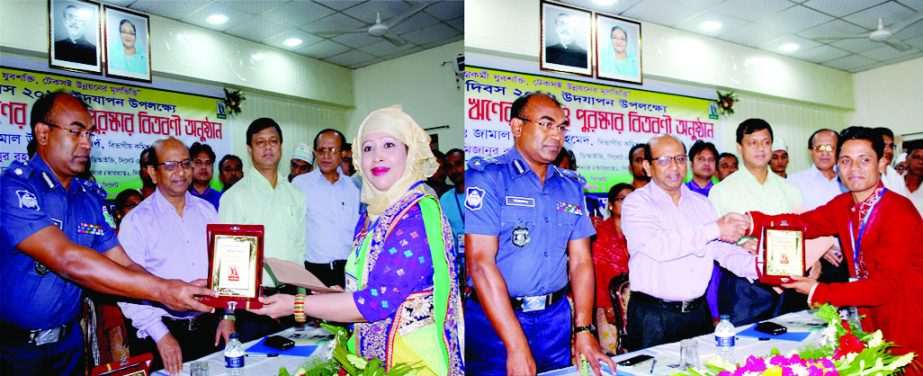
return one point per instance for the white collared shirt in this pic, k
(816, 189)
(331, 215)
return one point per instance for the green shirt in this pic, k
(740, 192)
(281, 211)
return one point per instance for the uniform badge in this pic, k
(86, 228)
(108, 217)
(569, 208)
(40, 268)
(27, 200)
(474, 198)
(520, 236)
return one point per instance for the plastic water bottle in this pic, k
(724, 339)
(234, 356)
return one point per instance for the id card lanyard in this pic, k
(856, 242)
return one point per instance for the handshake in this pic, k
(732, 226)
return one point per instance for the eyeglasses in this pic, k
(89, 135)
(823, 148)
(548, 126)
(323, 151)
(664, 161)
(169, 166)
(203, 162)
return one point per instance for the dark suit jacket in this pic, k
(82, 52)
(573, 56)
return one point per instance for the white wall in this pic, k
(419, 82)
(199, 54)
(890, 96)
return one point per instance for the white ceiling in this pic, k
(271, 22)
(767, 24)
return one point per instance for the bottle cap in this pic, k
(233, 336)
(724, 317)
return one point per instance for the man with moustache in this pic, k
(754, 187)
(526, 233)
(302, 161)
(203, 169)
(702, 156)
(75, 48)
(230, 171)
(727, 164)
(890, 177)
(674, 237)
(332, 202)
(881, 233)
(166, 235)
(262, 197)
(566, 51)
(818, 185)
(56, 237)
(639, 177)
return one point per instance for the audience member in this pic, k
(779, 162)
(347, 164)
(610, 259)
(437, 182)
(566, 159)
(332, 210)
(727, 164)
(639, 177)
(674, 237)
(51, 226)
(452, 201)
(703, 156)
(203, 168)
(914, 176)
(166, 236)
(147, 185)
(885, 261)
(302, 161)
(125, 201)
(525, 234)
(231, 170)
(890, 177)
(421, 324)
(900, 167)
(280, 209)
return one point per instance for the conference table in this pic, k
(801, 325)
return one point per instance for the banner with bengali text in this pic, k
(605, 121)
(128, 119)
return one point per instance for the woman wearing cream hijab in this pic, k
(401, 282)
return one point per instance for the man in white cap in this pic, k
(302, 161)
(779, 161)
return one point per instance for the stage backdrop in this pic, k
(605, 121)
(128, 119)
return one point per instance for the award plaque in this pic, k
(235, 266)
(783, 253)
(135, 366)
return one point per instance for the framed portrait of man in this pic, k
(566, 39)
(128, 47)
(618, 49)
(74, 35)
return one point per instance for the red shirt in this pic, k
(610, 258)
(891, 297)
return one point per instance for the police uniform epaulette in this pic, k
(573, 175)
(480, 163)
(93, 188)
(19, 170)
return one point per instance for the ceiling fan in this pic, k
(883, 34)
(381, 29)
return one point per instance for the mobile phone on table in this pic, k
(770, 328)
(634, 360)
(279, 342)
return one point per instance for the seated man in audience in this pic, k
(302, 161)
(885, 263)
(230, 171)
(262, 197)
(818, 185)
(166, 236)
(674, 237)
(203, 168)
(639, 177)
(727, 164)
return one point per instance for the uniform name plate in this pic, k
(235, 265)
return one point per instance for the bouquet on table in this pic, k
(844, 349)
(342, 362)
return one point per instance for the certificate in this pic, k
(783, 253)
(135, 366)
(235, 265)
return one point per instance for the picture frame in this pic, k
(783, 254)
(134, 366)
(566, 39)
(128, 44)
(74, 35)
(618, 49)
(235, 265)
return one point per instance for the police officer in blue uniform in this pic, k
(526, 232)
(55, 234)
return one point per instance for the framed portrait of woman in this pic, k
(566, 39)
(73, 35)
(128, 44)
(618, 49)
